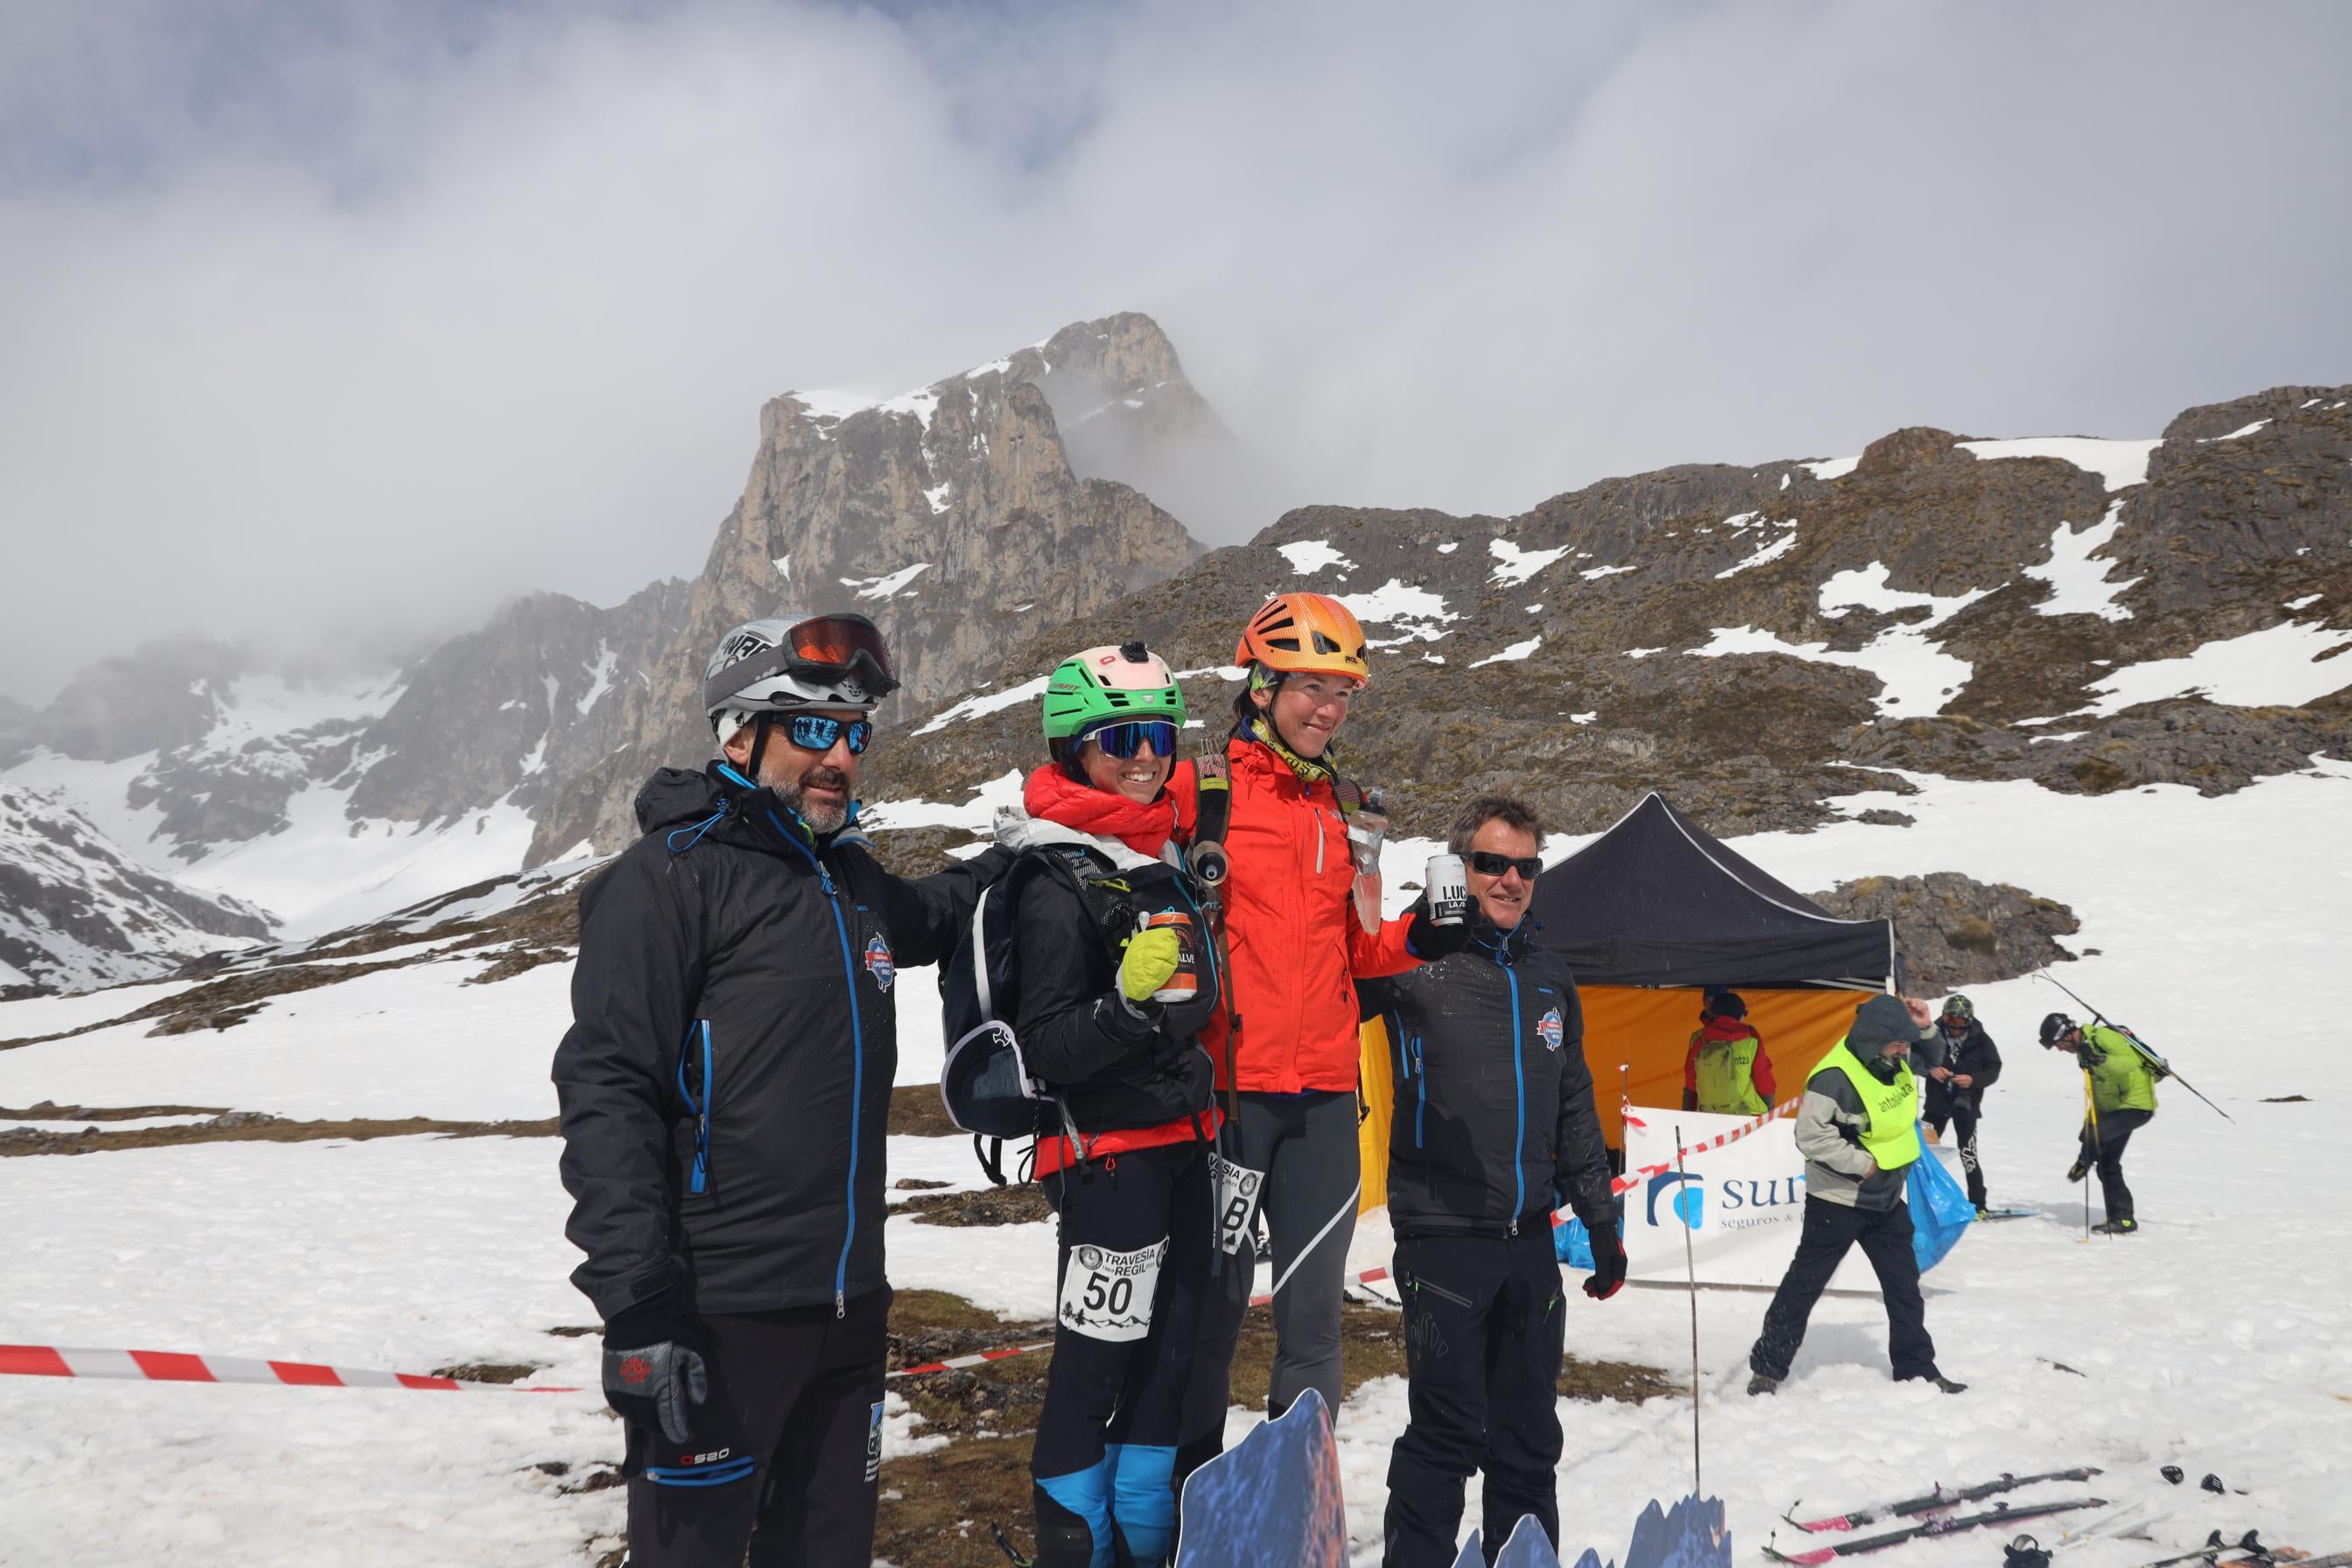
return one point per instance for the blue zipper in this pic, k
(1519, 1077)
(1421, 1077)
(699, 1182)
(857, 1064)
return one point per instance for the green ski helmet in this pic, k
(1107, 686)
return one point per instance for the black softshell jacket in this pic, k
(1115, 1067)
(1975, 1056)
(725, 1085)
(1493, 1125)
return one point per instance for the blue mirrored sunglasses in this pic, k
(815, 732)
(1124, 741)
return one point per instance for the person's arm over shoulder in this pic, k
(633, 993)
(926, 916)
(1579, 1151)
(1822, 1136)
(1372, 955)
(1072, 1021)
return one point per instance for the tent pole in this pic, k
(1690, 1272)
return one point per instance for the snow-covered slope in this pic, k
(76, 912)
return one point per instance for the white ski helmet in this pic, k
(787, 664)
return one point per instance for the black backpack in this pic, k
(985, 1084)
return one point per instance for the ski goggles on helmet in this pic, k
(1125, 740)
(1487, 863)
(817, 733)
(819, 650)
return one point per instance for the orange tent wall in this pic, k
(1649, 1031)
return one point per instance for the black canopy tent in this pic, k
(1658, 900)
(1655, 911)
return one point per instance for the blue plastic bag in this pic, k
(1940, 1210)
(1572, 1244)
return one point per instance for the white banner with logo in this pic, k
(1741, 1202)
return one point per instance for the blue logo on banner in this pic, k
(1689, 1202)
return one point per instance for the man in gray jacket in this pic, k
(1858, 1128)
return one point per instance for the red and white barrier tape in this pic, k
(179, 1366)
(1632, 1179)
(958, 1363)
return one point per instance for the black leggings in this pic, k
(1104, 1454)
(1963, 1120)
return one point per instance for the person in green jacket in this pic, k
(2122, 1100)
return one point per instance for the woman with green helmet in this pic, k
(1114, 980)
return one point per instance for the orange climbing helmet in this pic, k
(1296, 633)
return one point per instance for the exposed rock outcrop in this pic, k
(1954, 930)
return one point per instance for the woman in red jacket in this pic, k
(1284, 1035)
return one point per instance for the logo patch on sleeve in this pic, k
(879, 964)
(1551, 1029)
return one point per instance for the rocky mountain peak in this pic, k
(932, 513)
(1915, 446)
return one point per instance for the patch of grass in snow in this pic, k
(254, 1127)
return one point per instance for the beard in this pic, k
(822, 816)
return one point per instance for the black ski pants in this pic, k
(1484, 1328)
(804, 1390)
(1105, 1452)
(1305, 1144)
(2114, 1129)
(1884, 1238)
(1961, 1115)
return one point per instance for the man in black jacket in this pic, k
(724, 1088)
(1493, 1128)
(1956, 1089)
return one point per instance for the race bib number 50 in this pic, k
(1106, 1295)
(1237, 1192)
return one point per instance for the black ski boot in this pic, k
(2118, 1228)
(1763, 1383)
(1938, 1379)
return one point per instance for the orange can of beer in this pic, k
(1185, 983)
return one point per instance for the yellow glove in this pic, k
(1150, 959)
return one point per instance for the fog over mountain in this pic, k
(337, 325)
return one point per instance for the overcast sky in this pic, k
(352, 319)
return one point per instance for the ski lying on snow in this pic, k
(1938, 1498)
(1999, 1515)
(2007, 1213)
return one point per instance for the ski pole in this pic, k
(2090, 1148)
(1690, 1271)
(2142, 1047)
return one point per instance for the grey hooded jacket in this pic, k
(1829, 1119)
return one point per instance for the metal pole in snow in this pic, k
(1690, 1272)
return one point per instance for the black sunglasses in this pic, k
(815, 732)
(1487, 863)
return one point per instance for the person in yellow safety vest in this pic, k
(1858, 1128)
(2122, 1100)
(1726, 1071)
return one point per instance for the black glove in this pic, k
(658, 1383)
(1608, 1275)
(1429, 941)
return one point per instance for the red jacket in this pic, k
(1291, 933)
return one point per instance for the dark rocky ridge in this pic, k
(1650, 566)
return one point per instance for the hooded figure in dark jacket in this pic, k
(725, 1088)
(1956, 1089)
(1493, 1128)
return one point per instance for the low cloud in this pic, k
(344, 324)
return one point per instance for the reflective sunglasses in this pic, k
(1487, 863)
(1124, 741)
(816, 732)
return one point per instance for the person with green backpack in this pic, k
(1727, 1072)
(2122, 1100)
(1111, 978)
